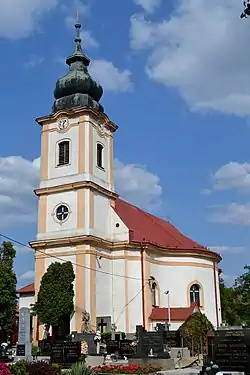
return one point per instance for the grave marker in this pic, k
(24, 344)
(230, 349)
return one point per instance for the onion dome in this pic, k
(77, 88)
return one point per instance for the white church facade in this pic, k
(130, 267)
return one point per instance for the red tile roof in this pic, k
(178, 314)
(28, 289)
(146, 228)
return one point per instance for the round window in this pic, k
(62, 212)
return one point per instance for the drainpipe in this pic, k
(216, 295)
(142, 287)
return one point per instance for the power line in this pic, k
(75, 264)
(132, 299)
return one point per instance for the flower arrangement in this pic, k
(126, 369)
(4, 370)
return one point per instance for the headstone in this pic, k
(121, 348)
(24, 344)
(45, 347)
(103, 324)
(173, 339)
(150, 342)
(65, 353)
(230, 349)
(88, 337)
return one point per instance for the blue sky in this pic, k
(177, 82)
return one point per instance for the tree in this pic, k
(194, 331)
(242, 290)
(55, 298)
(8, 300)
(230, 302)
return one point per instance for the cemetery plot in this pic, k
(121, 347)
(65, 353)
(230, 349)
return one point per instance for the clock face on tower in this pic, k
(63, 123)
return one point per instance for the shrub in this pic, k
(80, 368)
(34, 350)
(19, 368)
(57, 368)
(41, 368)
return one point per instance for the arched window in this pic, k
(99, 155)
(195, 294)
(154, 295)
(63, 153)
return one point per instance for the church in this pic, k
(131, 268)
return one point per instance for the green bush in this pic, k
(19, 368)
(80, 368)
(34, 350)
(57, 368)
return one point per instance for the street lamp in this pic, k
(167, 292)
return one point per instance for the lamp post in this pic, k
(169, 311)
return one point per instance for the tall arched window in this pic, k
(195, 294)
(63, 153)
(99, 155)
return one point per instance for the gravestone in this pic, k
(121, 348)
(88, 337)
(103, 324)
(150, 343)
(173, 339)
(44, 347)
(230, 349)
(65, 353)
(24, 344)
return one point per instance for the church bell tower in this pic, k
(76, 187)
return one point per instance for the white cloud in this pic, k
(29, 275)
(18, 19)
(137, 185)
(232, 176)
(233, 213)
(148, 5)
(19, 177)
(88, 39)
(23, 249)
(201, 50)
(33, 62)
(229, 280)
(110, 77)
(228, 249)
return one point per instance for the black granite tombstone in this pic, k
(230, 350)
(89, 338)
(20, 350)
(44, 347)
(150, 341)
(65, 353)
(121, 348)
(173, 339)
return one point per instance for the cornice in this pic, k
(123, 245)
(81, 111)
(75, 186)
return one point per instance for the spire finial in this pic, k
(78, 26)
